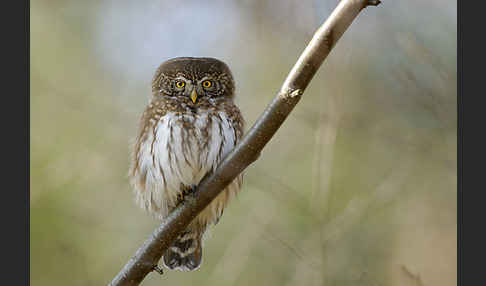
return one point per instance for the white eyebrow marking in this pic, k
(181, 76)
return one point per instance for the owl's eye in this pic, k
(207, 84)
(180, 84)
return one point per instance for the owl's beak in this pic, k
(194, 95)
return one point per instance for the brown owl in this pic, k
(189, 126)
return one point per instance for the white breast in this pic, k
(180, 150)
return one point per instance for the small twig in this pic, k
(415, 277)
(248, 149)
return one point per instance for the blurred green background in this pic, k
(358, 187)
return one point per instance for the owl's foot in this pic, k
(185, 192)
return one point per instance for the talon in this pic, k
(180, 198)
(190, 191)
(185, 192)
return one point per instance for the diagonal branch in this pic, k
(247, 151)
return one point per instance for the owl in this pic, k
(189, 126)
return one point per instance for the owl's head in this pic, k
(193, 79)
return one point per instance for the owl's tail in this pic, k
(185, 253)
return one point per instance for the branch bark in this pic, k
(247, 151)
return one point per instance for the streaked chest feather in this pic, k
(177, 151)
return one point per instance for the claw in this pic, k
(185, 192)
(189, 191)
(180, 198)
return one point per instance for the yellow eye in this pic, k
(207, 83)
(180, 84)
